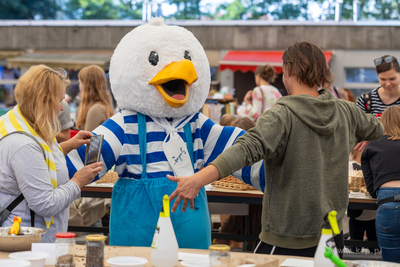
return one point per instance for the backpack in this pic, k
(367, 101)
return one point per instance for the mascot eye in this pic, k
(153, 58)
(186, 55)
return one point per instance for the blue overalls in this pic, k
(136, 206)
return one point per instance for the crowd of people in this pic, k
(304, 139)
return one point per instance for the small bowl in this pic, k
(36, 258)
(20, 242)
(14, 263)
(127, 261)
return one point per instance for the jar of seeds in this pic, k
(65, 249)
(95, 250)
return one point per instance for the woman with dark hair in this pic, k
(264, 96)
(381, 170)
(388, 93)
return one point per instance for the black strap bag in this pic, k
(5, 212)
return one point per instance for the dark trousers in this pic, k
(264, 248)
(357, 229)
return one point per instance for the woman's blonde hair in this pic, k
(38, 94)
(390, 120)
(94, 91)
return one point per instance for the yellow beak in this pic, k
(173, 81)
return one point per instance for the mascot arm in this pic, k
(217, 139)
(113, 131)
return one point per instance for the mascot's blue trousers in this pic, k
(136, 206)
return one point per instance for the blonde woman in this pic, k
(96, 105)
(381, 170)
(33, 166)
(264, 96)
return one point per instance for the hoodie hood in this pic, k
(319, 113)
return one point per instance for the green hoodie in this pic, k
(305, 142)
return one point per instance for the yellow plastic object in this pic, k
(165, 212)
(181, 70)
(15, 227)
(333, 221)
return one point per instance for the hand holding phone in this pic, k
(93, 149)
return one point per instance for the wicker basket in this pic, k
(231, 182)
(108, 178)
(356, 180)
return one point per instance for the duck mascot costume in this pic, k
(160, 78)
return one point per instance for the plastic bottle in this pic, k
(326, 240)
(164, 248)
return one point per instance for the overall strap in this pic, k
(142, 142)
(189, 141)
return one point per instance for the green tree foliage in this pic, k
(91, 9)
(28, 9)
(186, 9)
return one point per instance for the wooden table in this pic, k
(145, 252)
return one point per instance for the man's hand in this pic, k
(360, 146)
(187, 189)
(189, 186)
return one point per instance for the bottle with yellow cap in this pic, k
(330, 227)
(164, 248)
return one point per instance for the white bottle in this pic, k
(164, 248)
(326, 240)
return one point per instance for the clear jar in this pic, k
(220, 255)
(95, 250)
(65, 250)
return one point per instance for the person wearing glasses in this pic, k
(388, 93)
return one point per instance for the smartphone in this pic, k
(93, 149)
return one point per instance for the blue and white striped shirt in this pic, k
(377, 106)
(121, 148)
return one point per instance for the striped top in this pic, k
(121, 147)
(377, 106)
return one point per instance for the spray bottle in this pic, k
(326, 240)
(164, 248)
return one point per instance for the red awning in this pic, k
(249, 60)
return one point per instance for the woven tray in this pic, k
(231, 182)
(108, 178)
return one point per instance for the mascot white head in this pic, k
(160, 71)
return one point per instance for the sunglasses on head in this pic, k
(379, 61)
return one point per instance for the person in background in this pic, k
(95, 108)
(305, 141)
(387, 94)
(96, 104)
(360, 221)
(262, 97)
(64, 117)
(33, 163)
(381, 169)
(227, 119)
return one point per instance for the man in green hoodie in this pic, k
(305, 141)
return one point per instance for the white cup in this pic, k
(36, 258)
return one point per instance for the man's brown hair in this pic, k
(390, 120)
(307, 62)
